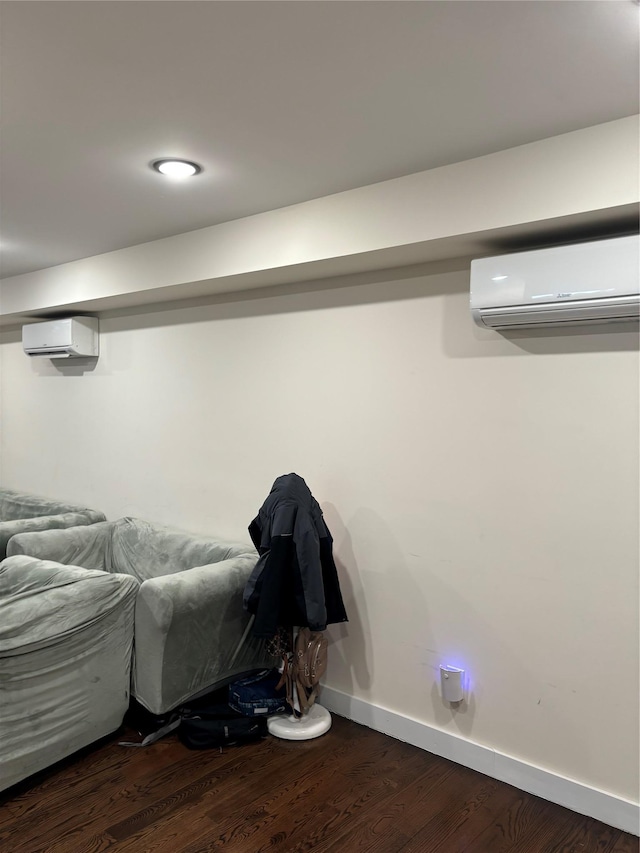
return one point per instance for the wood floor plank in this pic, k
(457, 823)
(80, 770)
(393, 821)
(461, 826)
(582, 835)
(518, 826)
(144, 798)
(169, 824)
(232, 813)
(322, 803)
(353, 790)
(185, 804)
(130, 784)
(354, 807)
(625, 844)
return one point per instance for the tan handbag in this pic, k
(311, 657)
(305, 669)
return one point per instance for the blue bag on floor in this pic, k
(257, 695)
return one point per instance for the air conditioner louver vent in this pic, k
(602, 311)
(49, 353)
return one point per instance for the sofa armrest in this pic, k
(66, 637)
(192, 632)
(85, 546)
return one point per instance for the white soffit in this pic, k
(527, 196)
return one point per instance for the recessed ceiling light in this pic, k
(176, 168)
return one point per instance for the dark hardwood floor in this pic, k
(351, 790)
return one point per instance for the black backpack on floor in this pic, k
(206, 723)
(216, 726)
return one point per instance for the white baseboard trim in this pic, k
(612, 810)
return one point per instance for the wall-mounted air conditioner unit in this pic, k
(594, 282)
(64, 337)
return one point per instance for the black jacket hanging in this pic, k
(295, 581)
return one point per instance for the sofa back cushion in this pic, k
(14, 505)
(145, 550)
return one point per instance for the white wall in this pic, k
(482, 491)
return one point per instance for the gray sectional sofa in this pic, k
(66, 638)
(191, 631)
(21, 512)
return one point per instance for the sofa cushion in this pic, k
(35, 599)
(145, 550)
(15, 505)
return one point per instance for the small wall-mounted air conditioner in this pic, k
(64, 337)
(596, 282)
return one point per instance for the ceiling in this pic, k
(280, 102)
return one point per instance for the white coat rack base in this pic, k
(316, 722)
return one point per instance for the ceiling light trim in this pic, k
(157, 165)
